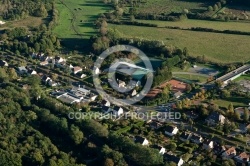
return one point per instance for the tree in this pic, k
(215, 7)
(76, 134)
(210, 8)
(108, 162)
(189, 88)
(12, 73)
(246, 114)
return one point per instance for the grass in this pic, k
(76, 20)
(242, 77)
(168, 6)
(223, 48)
(192, 78)
(189, 23)
(36, 21)
(236, 101)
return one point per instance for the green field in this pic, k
(236, 101)
(76, 20)
(242, 77)
(192, 78)
(224, 48)
(168, 6)
(237, 26)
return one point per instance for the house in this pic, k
(134, 93)
(22, 70)
(32, 72)
(3, 63)
(155, 125)
(240, 111)
(118, 111)
(106, 109)
(44, 63)
(121, 84)
(178, 94)
(76, 69)
(52, 83)
(185, 136)
(196, 138)
(171, 158)
(208, 144)
(80, 75)
(218, 148)
(230, 152)
(215, 118)
(171, 130)
(45, 79)
(59, 59)
(105, 103)
(141, 140)
(161, 149)
(242, 157)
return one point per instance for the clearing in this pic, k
(214, 46)
(76, 20)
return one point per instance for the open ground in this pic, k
(214, 46)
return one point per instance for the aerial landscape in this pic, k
(125, 83)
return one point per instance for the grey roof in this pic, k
(105, 108)
(116, 108)
(172, 158)
(214, 116)
(185, 135)
(139, 139)
(169, 129)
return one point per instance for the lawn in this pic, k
(168, 6)
(192, 78)
(189, 23)
(236, 101)
(242, 77)
(76, 20)
(224, 48)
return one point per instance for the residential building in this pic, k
(242, 157)
(230, 152)
(45, 79)
(171, 158)
(141, 140)
(106, 109)
(44, 63)
(105, 103)
(155, 125)
(76, 69)
(196, 139)
(185, 136)
(81, 75)
(215, 118)
(52, 83)
(178, 94)
(31, 72)
(118, 111)
(208, 144)
(22, 70)
(161, 149)
(3, 63)
(171, 130)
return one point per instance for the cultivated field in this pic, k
(77, 18)
(168, 6)
(224, 48)
(237, 26)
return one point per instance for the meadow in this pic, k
(168, 6)
(189, 23)
(223, 48)
(76, 20)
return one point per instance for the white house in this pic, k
(76, 69)
(32, 72)
(141, 140)
(215, 118)
(196, 138)
(22, 70)
(3, 63)
(45, 79)
(185, 136)
(106, 103)
(171, 130)
(118, 111)
(171, 158)
(161, 149)
(52, 83)
(208, 144)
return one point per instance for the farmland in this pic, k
(187, 24)
(168, 6)
(216, 47)
(77, 19)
